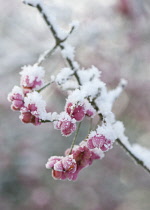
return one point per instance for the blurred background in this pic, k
(114, 35)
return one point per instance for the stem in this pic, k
(49, 83)
(90, 127)
(75, 137)
(58, 40)
(138, 161)
(70, 63)
(46, 54)
(45, 121)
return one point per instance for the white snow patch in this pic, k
(36, 98)
(63, 75)
(68, 51)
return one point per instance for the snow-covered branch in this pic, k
(112, 94)
(88, 98)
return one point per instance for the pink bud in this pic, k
(89, 113)
(16, 99)
(26, 117)
(25, 82)
(17, 104)
(100, 142)
(76, 111)
(67, 128)
(69, 164)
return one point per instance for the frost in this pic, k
(32, 73)
(114, 94)
(15, 90)
(64, 75)
(51, 116)
(76, 96)
(98, 152)
(65, 117)
(74, 24)
(142, 154)
(107, 131)
(36, 98)
(138, 151)
(70, 85)
(87, 75)
(68, 51)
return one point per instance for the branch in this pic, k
(59, 42)
(135, 158)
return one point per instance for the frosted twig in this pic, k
(59, 42)
(46, 54)
(135, 158)
(49, 83)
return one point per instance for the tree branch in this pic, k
(70, 63)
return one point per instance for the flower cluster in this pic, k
(25, 99)
(89, 99)
(69, 166)
(87, 96)
(82, 155)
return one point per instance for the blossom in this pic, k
(100, 142)
(17, 98)
(84, 156)
(31, 78)
(62, 167)
(30, 115)
(75, 111)
(34, 109)
(65, 124)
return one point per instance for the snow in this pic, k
(76, 96)
(68, 51)
(32, 72)
(138, 151)
(36, 98)
(51, 116)
(87, 75)
(43, 56)
(105, 130)
(142, 154)
(114, 94)
(65, 117)
(74, 24)
(15, 90)
(64, 75)
(70, 85)
(98, 152)
(92, 88)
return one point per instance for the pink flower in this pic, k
(90, 113)
(32, 78)
(83, 156)
(17, 98)
(67, 128)
(65, 124)
(100, 142)
(27, 84)
(63, 167)
(30, 115)
(76, 111)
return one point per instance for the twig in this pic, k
(75, 137)
(138, 161)
(46, 54)
(70, 63)
(49, 83)
(90, 126)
